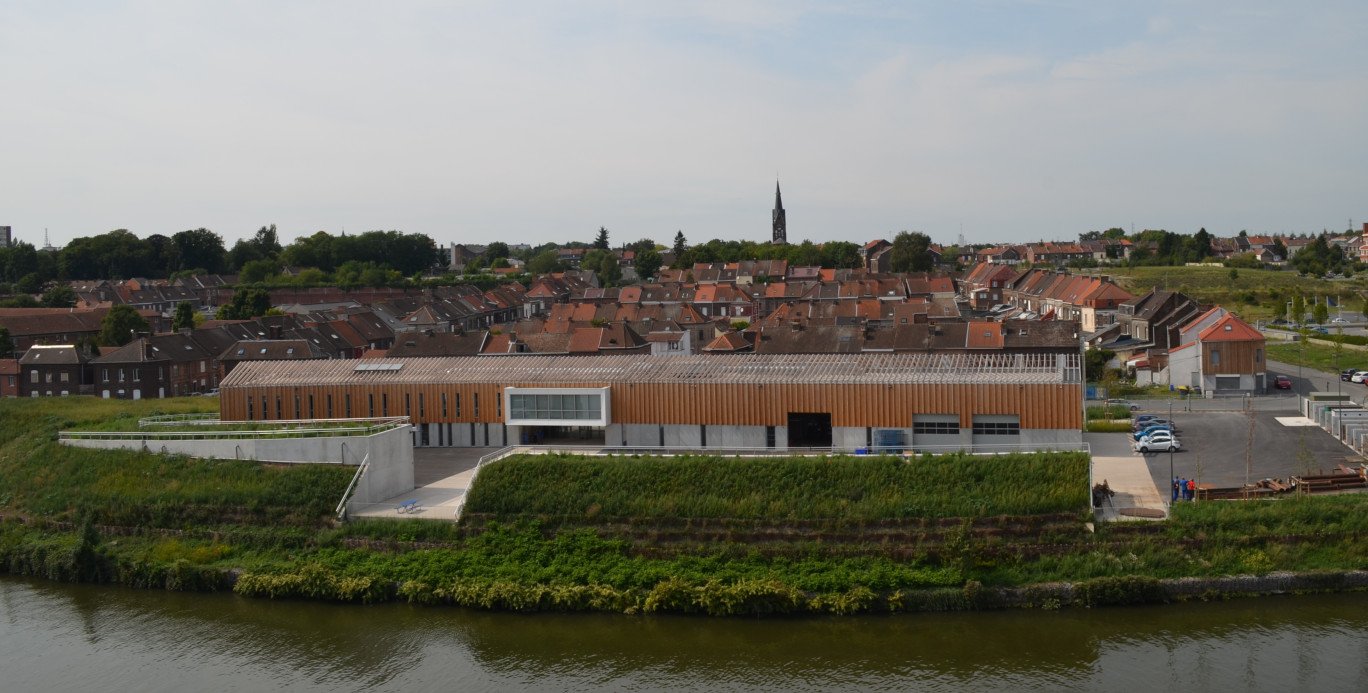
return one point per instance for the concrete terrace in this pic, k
(1126, 472)
(441, 476)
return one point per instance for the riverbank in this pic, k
(698, 534)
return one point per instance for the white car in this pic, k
(1359, 377)
(1339, 321)
(1158, 445)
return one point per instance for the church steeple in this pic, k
(779, 229)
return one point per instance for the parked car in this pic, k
(1151, 422)
(1359, 377)
(1339, 321)
(1282, 382)
(1347, 374)
(1121, 403)
(1145, 446)
(1142, 418)
(1150, 432)
(1157, 439)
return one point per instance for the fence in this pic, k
(313, 431)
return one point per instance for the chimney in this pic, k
(275, 331)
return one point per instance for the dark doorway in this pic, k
(563, 435)
(809, 430)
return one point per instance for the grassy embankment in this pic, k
(691, 534)
(1316, 356)
(1253, 294)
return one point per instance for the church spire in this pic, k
(779, 228)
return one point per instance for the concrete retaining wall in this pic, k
(391, 455)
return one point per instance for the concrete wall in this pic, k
(389, 473)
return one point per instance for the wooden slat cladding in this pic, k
(1052, 406)
(1237, 358)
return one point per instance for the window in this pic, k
(935, 428)
(1215, 357)
(477, 405)
(1258, 356)
(348, 405)
(555, 406)
(444, 405)
(137, 375)
(279, 412)
(202, 366)
(296, 408)
(311, 409)
(330, 409)
(370, 405)
(420, 405)
(996, 428)
(458, 405)
(249, 408)
(104, 374)
(66, 377)
(498, 407)
(48, 376)
(384, 404)
(407, 410)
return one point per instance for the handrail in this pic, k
(342, 504)
(327, 432)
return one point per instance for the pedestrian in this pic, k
(1192, 489)
(1173, 486)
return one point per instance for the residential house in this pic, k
(133, 371)
(54, 370)
(1226, 357)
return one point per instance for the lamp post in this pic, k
(1171, 477)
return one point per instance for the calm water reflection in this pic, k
(57, 637)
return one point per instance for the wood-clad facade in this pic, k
(741, 391)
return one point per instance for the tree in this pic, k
(1095, 363)
(499, 263)
(911, 253)
(1297, 310)
(648, 263)
(496, 250)
(1321, 313)
(680, 244)
(30, 283)
(601, 242)
(266, 242)
(258, 271)
(60, 296)
(609, 269)
(185, 316)
(544, 263)
(246, 304)
(199, 248)
(120, 325)
(6, 344)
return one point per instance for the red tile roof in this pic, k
(1230, 329)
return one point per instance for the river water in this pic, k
(58, 637)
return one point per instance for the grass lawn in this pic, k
(1317, 356)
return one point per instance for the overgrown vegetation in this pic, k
(592, 489)
(699, 534)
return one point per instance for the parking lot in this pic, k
(1215, 445)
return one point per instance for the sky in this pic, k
(532, 122)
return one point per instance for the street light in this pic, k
(1171, 477)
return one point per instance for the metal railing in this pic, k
(199, 418)
(270, 433)
(360, 469)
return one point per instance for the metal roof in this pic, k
(831, 369)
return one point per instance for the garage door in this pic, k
(1227, 382)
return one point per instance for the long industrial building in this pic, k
(844, 401)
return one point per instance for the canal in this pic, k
(59, 637)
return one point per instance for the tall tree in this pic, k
(601, 242)
(911, 252)
(6, 344)
(648, 263)
(680, 243)
(496, 250)
(120, 325)
(199, 248)
(185, 316)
